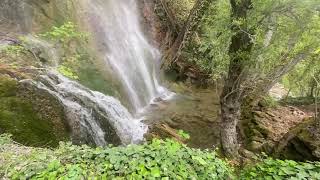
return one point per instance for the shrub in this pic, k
(65, 33)
(156, 160)
(299, 101)
(269, 102)
(282, 169)
(66, 71)
(5, 139)
(14, 50)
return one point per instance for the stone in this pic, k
(301, 143)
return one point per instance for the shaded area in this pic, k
(33, 118)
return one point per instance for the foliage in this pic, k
(209, 48)
(156, 160)
(304, 79)
(269, 102)
(64, 70)
(299, 101)
(63, 36)
(5, 139)
(279, 30)
(19, 117)
(64, 33)
(14, 50)
(183, 134)
(274, 169)
(181, 9)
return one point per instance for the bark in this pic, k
(239, 51)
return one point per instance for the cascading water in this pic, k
(116, 26)
(93, 117)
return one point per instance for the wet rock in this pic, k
(31, 116)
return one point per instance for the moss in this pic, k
(8, 87)
(92, 78)
(269, 102)
(18, 117)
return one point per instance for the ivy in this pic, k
(282, 169)
(158, 159)
(155, 160)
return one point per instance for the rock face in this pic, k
(93, 117)
(17, 16)
(263, 127)
(285, 132)
(301, 143)
(33, 117)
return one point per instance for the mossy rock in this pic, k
(301, 143)
(18, 116)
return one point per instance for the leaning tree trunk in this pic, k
(197, 12)
(230, 100)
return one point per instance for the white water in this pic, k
(135, 62)
(83, 106)
(93, 116)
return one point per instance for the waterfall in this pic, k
(116, 25)
(93, 117)
(96, 118)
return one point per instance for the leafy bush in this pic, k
(183, 134)
(156, 160)
(66, 71)
(181, 9)
(298, 101)
(64, 33)
(282, 169)
(5, 139)
(14, 50)
(209, 46)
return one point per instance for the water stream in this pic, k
(93, 117)
(117, 34)
(116, 25)
(96, 118)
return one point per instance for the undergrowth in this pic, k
(155, 160)
(271, 169)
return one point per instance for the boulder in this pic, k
(301, 143)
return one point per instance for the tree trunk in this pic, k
(197, 12)
(230, 100)
(230, 112)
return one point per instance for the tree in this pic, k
(239, 51)
(197, 12)
(269, 39)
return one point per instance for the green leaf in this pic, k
(155, 172)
